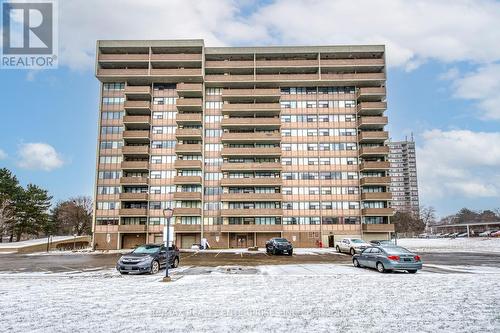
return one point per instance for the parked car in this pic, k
(382, 242)
(148, 258)
(463, 234)
(486, 233)
(445, 235)
(495, 234)
(424, 235)
(454, 234)
(351, 245)
(279, 246)
(386, 259)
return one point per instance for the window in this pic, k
(112, 100)
(112, 115)
(111, 130)
(112, 86)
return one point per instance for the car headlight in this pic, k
(146, 258)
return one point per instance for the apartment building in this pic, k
(403, 173)
(243, 143)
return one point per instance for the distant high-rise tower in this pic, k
(403, 173)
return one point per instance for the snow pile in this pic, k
(451, 245)
(291, 298)
(37, 241)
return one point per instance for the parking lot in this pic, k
(82, 262)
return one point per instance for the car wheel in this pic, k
(380, 267)
(352, 251)
(355, 262)
(175, 264)
(155, 267)
(290, 253)
(412, 271)
(275, 252)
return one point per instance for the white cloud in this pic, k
(414, 31)
(3, 155)
(39, 156)
(459, 163)
(482, 86)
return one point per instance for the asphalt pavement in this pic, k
(82, 262)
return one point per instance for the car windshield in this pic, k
(396, 249)
(355, 240)
(280, 240)
(147, 249)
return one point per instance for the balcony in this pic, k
(251, 123)
(134, 181)
(189, 104)
(376, 196)
(377, 227)
(251, 197)
(372, 64)
(190, 89)
(374, 151)
(218, 78)
(142, 107)
(229, 64)
(371, 108)
(371, 94)
(132, 228)
(373, 136)
(139, 92)
(372, 165)
(187, 196)
(181, 211)
(188, 149)
(251, 137)
(178, 74)
(187, 180)
(187, 227)
(134, 196)
(133, 212)
(135, 150)
(271, 94)
(251, 228)
(251, 108)
(375, 181)
(176, 57)
(188, 119)
(266, 166)
(254, 152)
(251, 212)
(135, 165)
(136, 122)
(131, 57)
(372, 122)
(188, 134)
(188, 164)
(136, 135)
(122, 73)
(289, 78)
(250, 182)
(357, 79)
(287, 63)
(377, 211)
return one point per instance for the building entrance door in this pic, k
(331, 241)
(241, 241)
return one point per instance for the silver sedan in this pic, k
(386, 259)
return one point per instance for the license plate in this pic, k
(407, 259)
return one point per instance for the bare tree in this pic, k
(428, 216)
(73, 216)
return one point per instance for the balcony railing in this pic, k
(375, 181)
(251, 122)
(188, 133)
(176, 57)
(374, 151)
(373, 136)
(188, 164)
(135, 150)
(372, 108)
(134, 181)
(372, 122)
(376, 196)
(134, 196)
(370, 94)
(133, 212)
(251, 137)
(190, 89)
(377, 211)
(188, 196)
(138, 91)
(251, 197)
(378, 227)
(188, 118)
(136, 134)
(237, 108)
(184, 148)
(123, 57)
(372, 165)
(251, 212)
(257, 94)
(135, 165)
(187, 180)
(276, 151)
(187, 211)
(251, 182)
(189, 104)
(132, 228)
(266, 166)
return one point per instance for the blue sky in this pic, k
(440, 88)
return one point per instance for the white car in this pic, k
(351, 245)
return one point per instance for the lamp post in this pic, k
(167, 212)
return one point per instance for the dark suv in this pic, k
(148, 258)
(278, 246)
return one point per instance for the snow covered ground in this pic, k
(34, 242)
(286, 298)
(476, 244)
